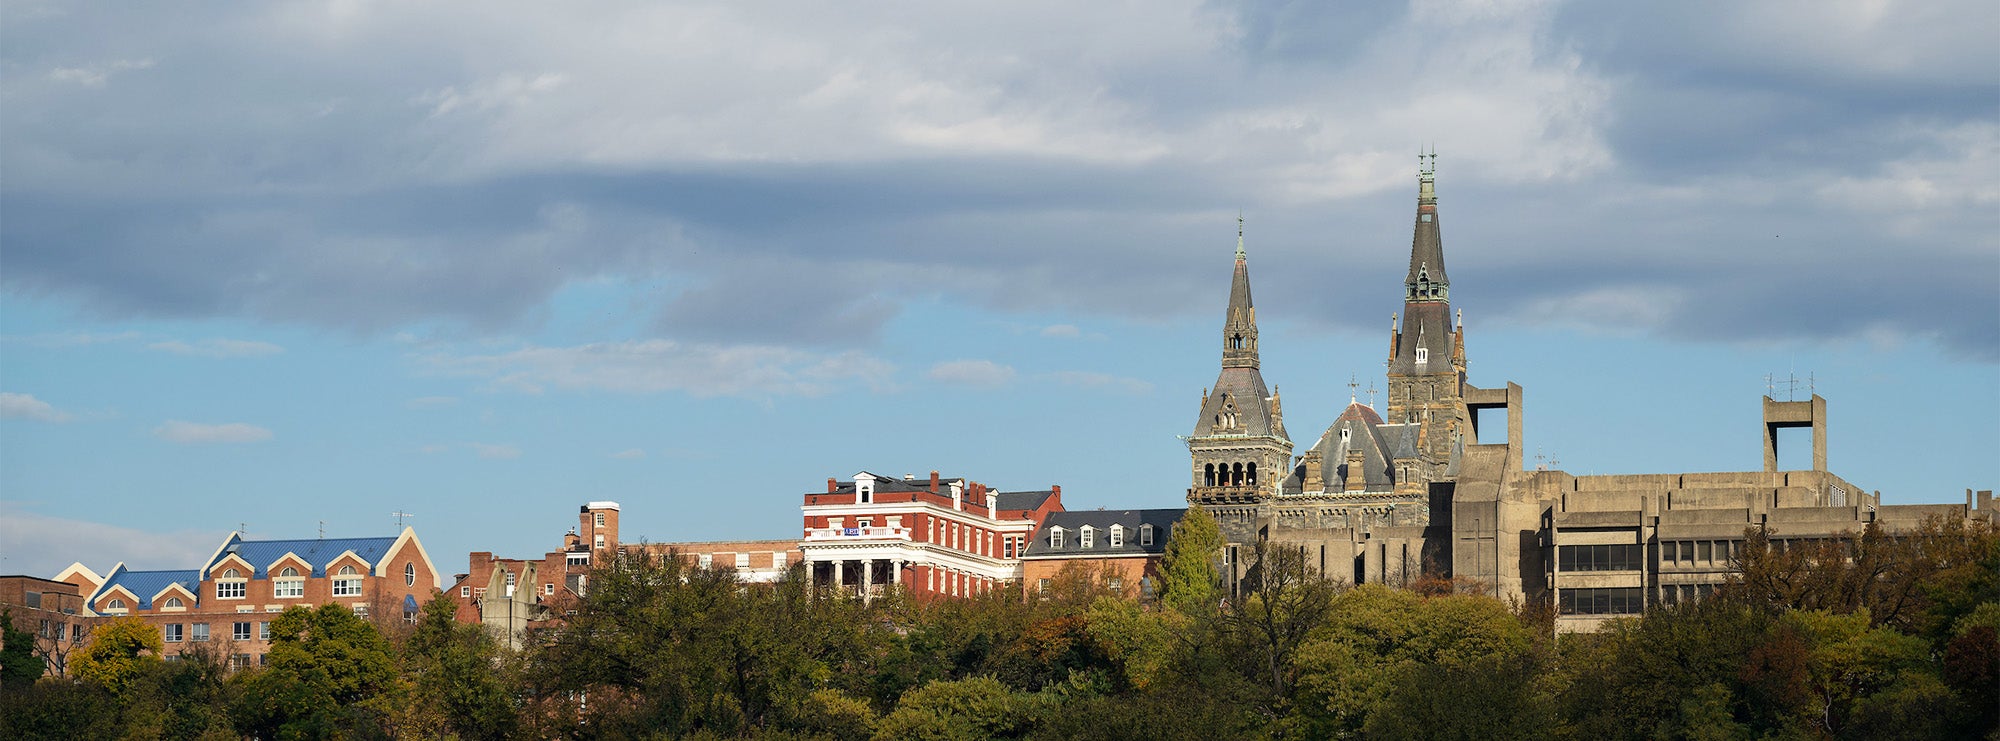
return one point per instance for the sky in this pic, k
(285, 266)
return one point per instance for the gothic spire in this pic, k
(1239, 325)
(1426, 281)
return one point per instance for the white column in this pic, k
(839, 574)
(867, 575)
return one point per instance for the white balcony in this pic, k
(857, 533)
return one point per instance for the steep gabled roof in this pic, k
(145, 584)
(318, 552)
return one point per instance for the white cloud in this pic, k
(218, 348)
(189, 433)
(26, 406)
(976, 373)
(654, 366)
(629, 454)
(431, 402)
(1088, 379)
(495, 451)
(1065, 331)
(97, 75)
(40, 545)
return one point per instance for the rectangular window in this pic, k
(229, 590)
(742, 560)
(1117, 537)
(171, 632)
(600, 519)
(707, 559)
(361, 611)
(1116, 584)
(1703, 551)
(200, 632)
(239, 631)
(1600, 557)
(350, 587)
(239, 661)
(264, 630)
(577, 559)
(549, 588)
(288, 588)
(273, 608)
(465, 591)
(263, 659)
(1042, 586)
(1055, 538)
(1084, 540)
(1603, 601)
(76, 632)
(1145, 535)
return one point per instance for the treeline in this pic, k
(1864, 637)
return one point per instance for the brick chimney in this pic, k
(1355, 480)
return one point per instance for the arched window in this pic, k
(410, 574)
(1251, 478)
(1208, 475)
(1236, 476)
(289, 571)
(116, 604)
(232, 574)
(173, 602)
(347, 571)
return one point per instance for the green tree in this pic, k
(19, 666)
(118, 651)
(966, 709)
(330, 673)
(457, 687)
(1189, 581)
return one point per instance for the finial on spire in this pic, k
(1351, 386)
(1239, 234)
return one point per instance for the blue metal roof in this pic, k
(318, 552)
(145, 584)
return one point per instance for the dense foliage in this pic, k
(1863, 637)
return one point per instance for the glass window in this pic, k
(171, 632)
(1602, 601)
(289, 572)
(200, 632)
(1116, 584)
(229, 590)
(173, 602)
(264, 630)
(347, 587)
(1145, 535)
(1084, 539)
(361, 611)
(240, 631)
(1703, 551)
(410, 574)
(1042, 586)
(600, 519)
(1055, 538)
(1117, 536)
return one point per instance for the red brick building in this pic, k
(1124, 546)
(53, 611)
(934, 537)
(229, 600)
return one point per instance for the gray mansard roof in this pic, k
(1380, 445)
(1100, 522)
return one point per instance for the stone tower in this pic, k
(1239, 448)
(1426, 348)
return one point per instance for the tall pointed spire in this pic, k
(1239, 325)
(1426, 280)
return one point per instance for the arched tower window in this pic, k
(1236, 476)
(1251, 478)
(1208, 475)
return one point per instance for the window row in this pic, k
(1673, 594)
(1623, 557)
(1702, 552)
(1229, 474)
(198, 632)
(290, 584)
(1086, 536)
(1602, 601)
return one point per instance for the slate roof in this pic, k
(1023, 499)
(145, 584)
(1072, 523)
(1380, 445)
(891, 484)
(318, 552)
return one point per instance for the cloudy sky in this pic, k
(281, 264)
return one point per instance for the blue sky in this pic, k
(284, 263)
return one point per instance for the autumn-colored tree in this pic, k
(118, 652)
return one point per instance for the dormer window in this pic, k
(1345, 433)
(1118, 536)
(1084, 539)
(1145, 535)
(864, 491)
(1423, 355)
(172, 603)
(116, 604)
(1055, 537)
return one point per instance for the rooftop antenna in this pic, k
(322, 529)
(399, 515)
(242, 528)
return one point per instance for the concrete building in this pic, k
(1125, 544)
(1423, 490)
(228, 601)
(944, 537)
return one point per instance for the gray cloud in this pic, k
(26, 406)
(1713, 171)
(197, 433)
